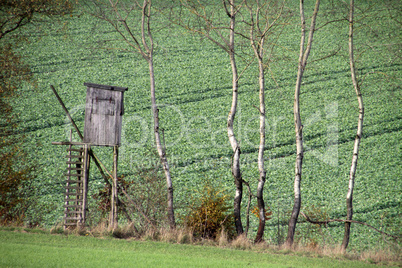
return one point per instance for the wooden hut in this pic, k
(103, 115)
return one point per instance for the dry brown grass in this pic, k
(99, 230)
(150, 234)
(180, 236)
(222, 239)
(242, 242)
(381, 257)
(57, 228)
(185, 237)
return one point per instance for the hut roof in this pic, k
(106, 87)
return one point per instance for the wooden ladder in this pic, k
(76, 186)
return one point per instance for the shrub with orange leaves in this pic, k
(210, 213)
(268, 213)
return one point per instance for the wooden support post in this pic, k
(67, 184)
(67, 113)
(85, 177)
(113, 219)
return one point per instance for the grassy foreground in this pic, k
(21, 249)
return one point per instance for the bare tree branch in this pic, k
(350, 221)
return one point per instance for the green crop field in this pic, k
(193, 90)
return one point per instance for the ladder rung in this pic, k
(72, 206)
(73, 194)
(73, 200)
(75, 168)
(73, 187)
(74, 162)
(71, 181)
(74, 156)
(70, 223)
(73, 212)
(74, 175)
(73, 218)
(75, 150)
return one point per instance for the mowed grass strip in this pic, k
(44, 250)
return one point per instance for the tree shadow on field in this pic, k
(345, 136)
(35, 125)
(376, 207)
(380, 206)
(202, 94)
(318, 140)
(322, 76)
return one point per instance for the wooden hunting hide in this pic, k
(103, 114)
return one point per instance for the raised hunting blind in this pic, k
(103, 121)
(103, 114)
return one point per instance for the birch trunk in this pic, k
(232, 139)
(262, 22)
(349, 196)
(261, 169)
(220, 39)
(160, 148)
(303, 56)
(258, 47)
(146, 34)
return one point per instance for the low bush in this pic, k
(209, 214)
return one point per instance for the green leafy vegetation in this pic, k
(14, 176)
(193, 88)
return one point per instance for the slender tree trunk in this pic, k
(160, 146)
(232, 139)
(227, 44)
(260, 15)
(146, 34)
(303, 56)
(261, 169)
(349, 196)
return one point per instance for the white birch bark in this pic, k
(146, 32)
(303, 56)
(145, 47)
(216, 33)
(232, 113)
(349, 196)
(258, 48)
(262, 21)
(261, 168)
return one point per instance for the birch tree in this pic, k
(356, 86)
(261, 27)
(224, 37)
(303, 56)
(139, 40)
